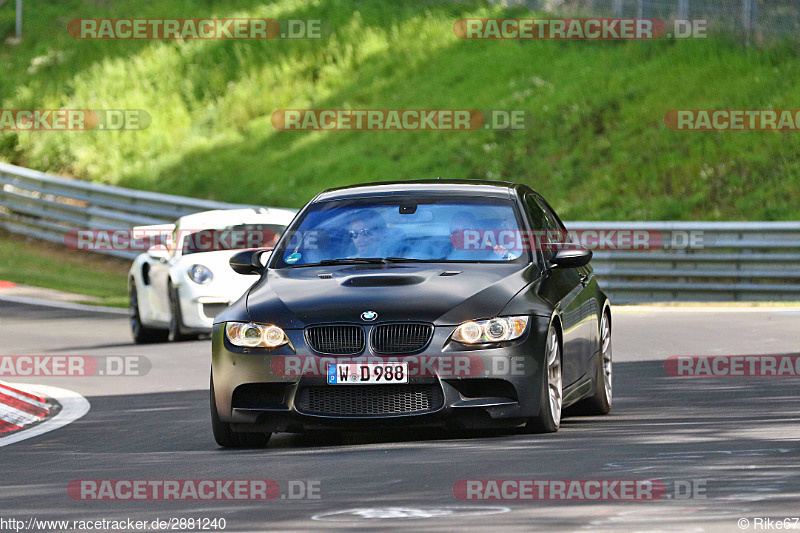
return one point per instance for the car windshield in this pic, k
(404, 230)
(236, 237)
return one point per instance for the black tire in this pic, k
(600, 402)
(142, 334)
(177, 332)
(549, 419)
(226, 437)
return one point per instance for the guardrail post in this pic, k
(749, 18)
(19, 20)
(683, 9)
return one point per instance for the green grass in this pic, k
(597, 146)
(32, 262)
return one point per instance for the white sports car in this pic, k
(176, 289)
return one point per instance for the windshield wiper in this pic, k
(353, 261)
(403, 260)
(369, 261)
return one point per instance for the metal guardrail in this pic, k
(751, 20)
(686, 261)
(729, 261)
(47, 207)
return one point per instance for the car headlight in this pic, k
(200, 274)
(252, 335)
(498, 329)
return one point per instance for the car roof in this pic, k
(501, 189)
(230, 217)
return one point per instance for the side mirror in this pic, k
(249, 261)
(571, 258)
(158, 252)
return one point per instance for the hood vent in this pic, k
(325, 275)
(382, 281)
(450, 273)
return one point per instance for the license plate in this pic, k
(367, 373)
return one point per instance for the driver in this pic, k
(367, 231)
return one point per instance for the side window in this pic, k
(547, 229)
(536, 214)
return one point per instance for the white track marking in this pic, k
(643, 309)
(63, 305)
(73, 407)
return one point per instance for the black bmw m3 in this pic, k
(421, 303)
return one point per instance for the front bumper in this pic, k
(198, 313)
(460, 386)
(200, 304)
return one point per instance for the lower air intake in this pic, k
(369, 400)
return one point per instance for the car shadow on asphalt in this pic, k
(202, 339)
(649, 407)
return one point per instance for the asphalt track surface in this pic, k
(736, 438)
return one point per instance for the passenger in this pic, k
(461, 225)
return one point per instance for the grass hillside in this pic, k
(42, 264)
(597, 146)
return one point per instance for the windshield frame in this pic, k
(416, 198)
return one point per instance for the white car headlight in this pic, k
(200, 274)
(498, 329)
(250, 335)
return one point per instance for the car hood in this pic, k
(444, 294)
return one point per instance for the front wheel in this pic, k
(549, 418)
(176, 329)
(226, 437)
(141, 333)
(600, 402)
